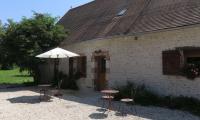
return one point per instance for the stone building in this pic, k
(144, 41)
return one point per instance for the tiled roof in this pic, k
(167, 14)
(99, 18)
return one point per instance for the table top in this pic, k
(107, 97)
(127, 100)
(44, 85)
(109, 91)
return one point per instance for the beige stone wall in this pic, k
(140, 60)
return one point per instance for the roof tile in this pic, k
(99, 18)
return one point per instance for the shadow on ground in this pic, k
(93, 99)
(21, 76)
(152, 113)
(15, 87)
(98, 116)
(28, 99)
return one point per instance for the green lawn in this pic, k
(14, 77)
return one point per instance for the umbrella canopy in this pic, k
(57, 53)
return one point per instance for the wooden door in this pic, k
(100, 82)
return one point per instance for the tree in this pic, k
(30, 37)
(5, 64)
(1, 31)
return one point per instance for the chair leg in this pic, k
(127, 108)
(134, 107)
(110, 107)
(119, 108)
(41, 94)
(103, 103)
(100, 102)
(135, 110)
(123, 109)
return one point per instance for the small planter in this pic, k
(191, 71)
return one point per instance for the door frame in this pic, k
(106, 57)
(100, 81)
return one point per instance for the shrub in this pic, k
(69, 82)
(145, 97)
(191, 105)
(6, 66)
(124, 91)
(191, 71)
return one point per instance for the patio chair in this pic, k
(58, 92)
(127, 101)
(44, 92)
(105, 99)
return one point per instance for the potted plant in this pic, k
(191, 71)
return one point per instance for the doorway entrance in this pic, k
(100, 82)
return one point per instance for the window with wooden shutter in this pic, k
(78, 65)
(171, 62)
(71, 66)
(82, 65)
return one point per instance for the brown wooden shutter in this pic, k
(171, 62)
(81, 65)
(71, 68)
(84, 66)
(78, 64)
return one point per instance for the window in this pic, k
(122, 12)
(78, 65)
(193, 60)
(171, 62)
(71, 69)
(174, 61)
(82, 65)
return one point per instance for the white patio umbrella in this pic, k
(56, 54)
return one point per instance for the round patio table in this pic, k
(109, 96)
(44, 90)
(110, 91)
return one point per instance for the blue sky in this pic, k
(16, 9)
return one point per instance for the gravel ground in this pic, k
(24, 104)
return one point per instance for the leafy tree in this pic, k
(30, 37)
(5, 64)
(1, 31)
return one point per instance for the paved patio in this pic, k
(24, 104)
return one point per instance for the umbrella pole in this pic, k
(56, 67)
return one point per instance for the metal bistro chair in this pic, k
(105, 100)
(58, 92)
(44, 92)
(127, 101)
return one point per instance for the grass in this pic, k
(14, 77)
